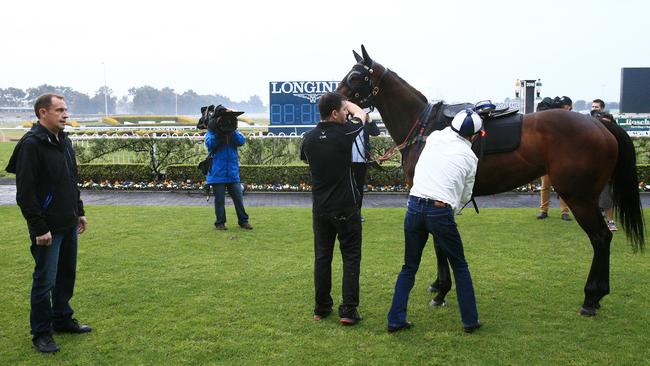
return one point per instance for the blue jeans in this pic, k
(53, 281)
(237, 195)
(422, 218)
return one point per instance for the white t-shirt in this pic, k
(446, 169)
(359, 149)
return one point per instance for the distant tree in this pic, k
(166, 101)
(581, 105)
(255, 104)
(78, 103)
(124, 105)
(145, 99)
(98, 103)
(12, 97)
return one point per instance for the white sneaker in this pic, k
(611, 225)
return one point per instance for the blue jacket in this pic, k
(225, 161)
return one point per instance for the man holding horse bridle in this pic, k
(442, 184)
(335, 212)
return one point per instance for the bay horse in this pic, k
(579, 153)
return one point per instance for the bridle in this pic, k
(363, 94)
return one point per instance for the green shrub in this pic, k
(390, 175)
(258, 174)
(644, 173)
(284, 174)
(114, 172)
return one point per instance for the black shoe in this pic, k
(220, 226)
(566, 217)
(542, 215)
(351, 319)
(321, 314)
(472, 328)
(397, 328)
(45, 344)
(246, 226)
(72, 326)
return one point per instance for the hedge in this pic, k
(114, 172)
(388, 175)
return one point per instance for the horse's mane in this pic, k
(417, 92)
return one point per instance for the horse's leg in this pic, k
(597, 286)
(442, 284)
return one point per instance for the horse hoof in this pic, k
(432, 289)
(436, 303)
(588, 312)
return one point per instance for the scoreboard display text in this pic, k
(296, 102)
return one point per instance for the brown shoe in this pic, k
(220, 227)
(246, 226)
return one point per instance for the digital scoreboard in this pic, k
(294, 103)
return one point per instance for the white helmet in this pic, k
(467, 123)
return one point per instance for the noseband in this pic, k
(363, 94)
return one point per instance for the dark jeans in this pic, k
(53, 281)
(237, 195)
(326, 228)
(359, 171)
(422, 218)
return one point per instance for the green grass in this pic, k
(6, 149)
(161, 286)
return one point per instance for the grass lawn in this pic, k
(6, 149)
(160, 286)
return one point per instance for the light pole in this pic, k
(105, 92)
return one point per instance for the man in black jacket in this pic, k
(48, 196)
(335, 211)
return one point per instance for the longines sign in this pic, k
(296, 102)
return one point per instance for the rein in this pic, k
(371, 90)
(409, 140)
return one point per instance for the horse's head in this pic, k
(362, 82)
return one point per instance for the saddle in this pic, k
(486, 109)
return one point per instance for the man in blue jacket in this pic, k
(222, 144)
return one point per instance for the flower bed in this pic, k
(287, 178)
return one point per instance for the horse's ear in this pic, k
(366, 58)
(356, 56)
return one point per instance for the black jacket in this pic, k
(328, 150)
(46, 181)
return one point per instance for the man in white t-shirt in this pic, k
(442, 184)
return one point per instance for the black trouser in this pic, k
(359, 174)
(326, 228)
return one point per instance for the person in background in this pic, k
(605, 201)
(360, 156)
(49, 199)
(327, 148)
(223, 174)
(545, 190)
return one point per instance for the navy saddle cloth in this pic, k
(502, 134)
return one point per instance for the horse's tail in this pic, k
(625, 188)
